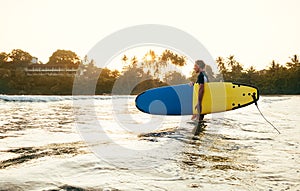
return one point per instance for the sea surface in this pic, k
(105, 143)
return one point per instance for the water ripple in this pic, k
(30, 153)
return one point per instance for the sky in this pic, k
(255, 31)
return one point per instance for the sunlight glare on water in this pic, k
(43, 149)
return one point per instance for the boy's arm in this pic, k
(200, 96)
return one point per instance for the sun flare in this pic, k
(148, 57)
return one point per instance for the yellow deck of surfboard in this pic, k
(223, 96)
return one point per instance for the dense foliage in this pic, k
(137, 75)
(276, 79)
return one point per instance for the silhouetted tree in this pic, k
(158, 66)
(223, 75)
(174, 78)
(294, 75)
(3, 57)
(64, 57)
(20, 57)
(106, 81)
(131, 76)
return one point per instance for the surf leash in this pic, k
(255, 102)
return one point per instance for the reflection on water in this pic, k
(42, 149)
(26, 154)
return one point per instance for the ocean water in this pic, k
(105, 143)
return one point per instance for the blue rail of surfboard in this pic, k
(168, 100)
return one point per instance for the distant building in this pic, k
(50, 70)
(34, 60)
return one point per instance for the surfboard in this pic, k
(182, 99)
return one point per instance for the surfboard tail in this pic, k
(225, 96)
(251, 90)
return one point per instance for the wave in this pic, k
(12, 186)
(25, 98)
(44, 98)
(75, 188)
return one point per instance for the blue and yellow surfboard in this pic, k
(182, 99)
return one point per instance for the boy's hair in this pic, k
(200, 63)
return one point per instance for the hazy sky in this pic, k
(255, 31)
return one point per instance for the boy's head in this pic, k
(199, 65)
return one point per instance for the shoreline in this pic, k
(3, 94)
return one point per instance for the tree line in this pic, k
(276, 79)
(13, 78)
(153, 70)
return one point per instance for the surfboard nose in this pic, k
(167, 100)
(149, 103)
(139, 100)
(151, 106)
